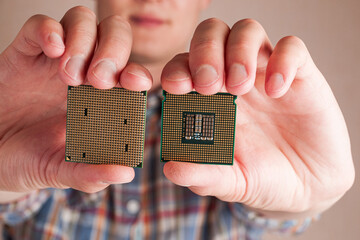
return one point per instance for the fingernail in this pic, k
(205, 76)
(56, 40)
(139, 74)
(276, 82)
(177, 76)
(237, 75)
(109, 183)
(105, 71)
(74, 67)
(112, 183)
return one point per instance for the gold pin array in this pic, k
(105, 126)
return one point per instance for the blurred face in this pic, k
(161, 28)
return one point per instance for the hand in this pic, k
(292, 150)
(34, 73)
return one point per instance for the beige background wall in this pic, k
(331, 30)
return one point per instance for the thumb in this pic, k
(40, 34)
(227, 183)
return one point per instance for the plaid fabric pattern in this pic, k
(150, 207)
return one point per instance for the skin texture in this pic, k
(292, 150)
(291, 141)
(35, 70)
(156, 43)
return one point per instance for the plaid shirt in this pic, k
(150, 207)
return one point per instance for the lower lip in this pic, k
(146, 22)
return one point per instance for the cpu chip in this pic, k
(105, 126)
(198, 128)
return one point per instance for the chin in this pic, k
(142, 58)
(148, 55)
(156, 46)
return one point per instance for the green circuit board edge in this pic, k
(217, 147)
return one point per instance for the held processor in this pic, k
(108, 127)
(198, 128)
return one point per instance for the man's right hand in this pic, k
(35, 70)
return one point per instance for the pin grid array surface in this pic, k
(173, 145)
(105, 126)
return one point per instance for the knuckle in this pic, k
(36, 18)
(294, 48)
(209, 26)
(241, 46)
(181, 56)
(207, 43)
(118, 31)
(249, 23)
(46, 25)
(292, 40)
(207, 35)
(213, 22)
(118, 21)
(84, 11)
(86, 36)
(115, 41)
(40, 22)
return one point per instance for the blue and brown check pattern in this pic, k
(150, 207)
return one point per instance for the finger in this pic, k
(40, 34)
(93, 178)
(247, 43)
(224, 182)
(112, 53)
(135, 77)
(176, 76)
(84, 177)
(206, 57)
(80, 26)
(290, 60)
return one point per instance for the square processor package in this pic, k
(198, 128)
(105, 126)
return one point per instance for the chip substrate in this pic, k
(198, 128)
(105, 126)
